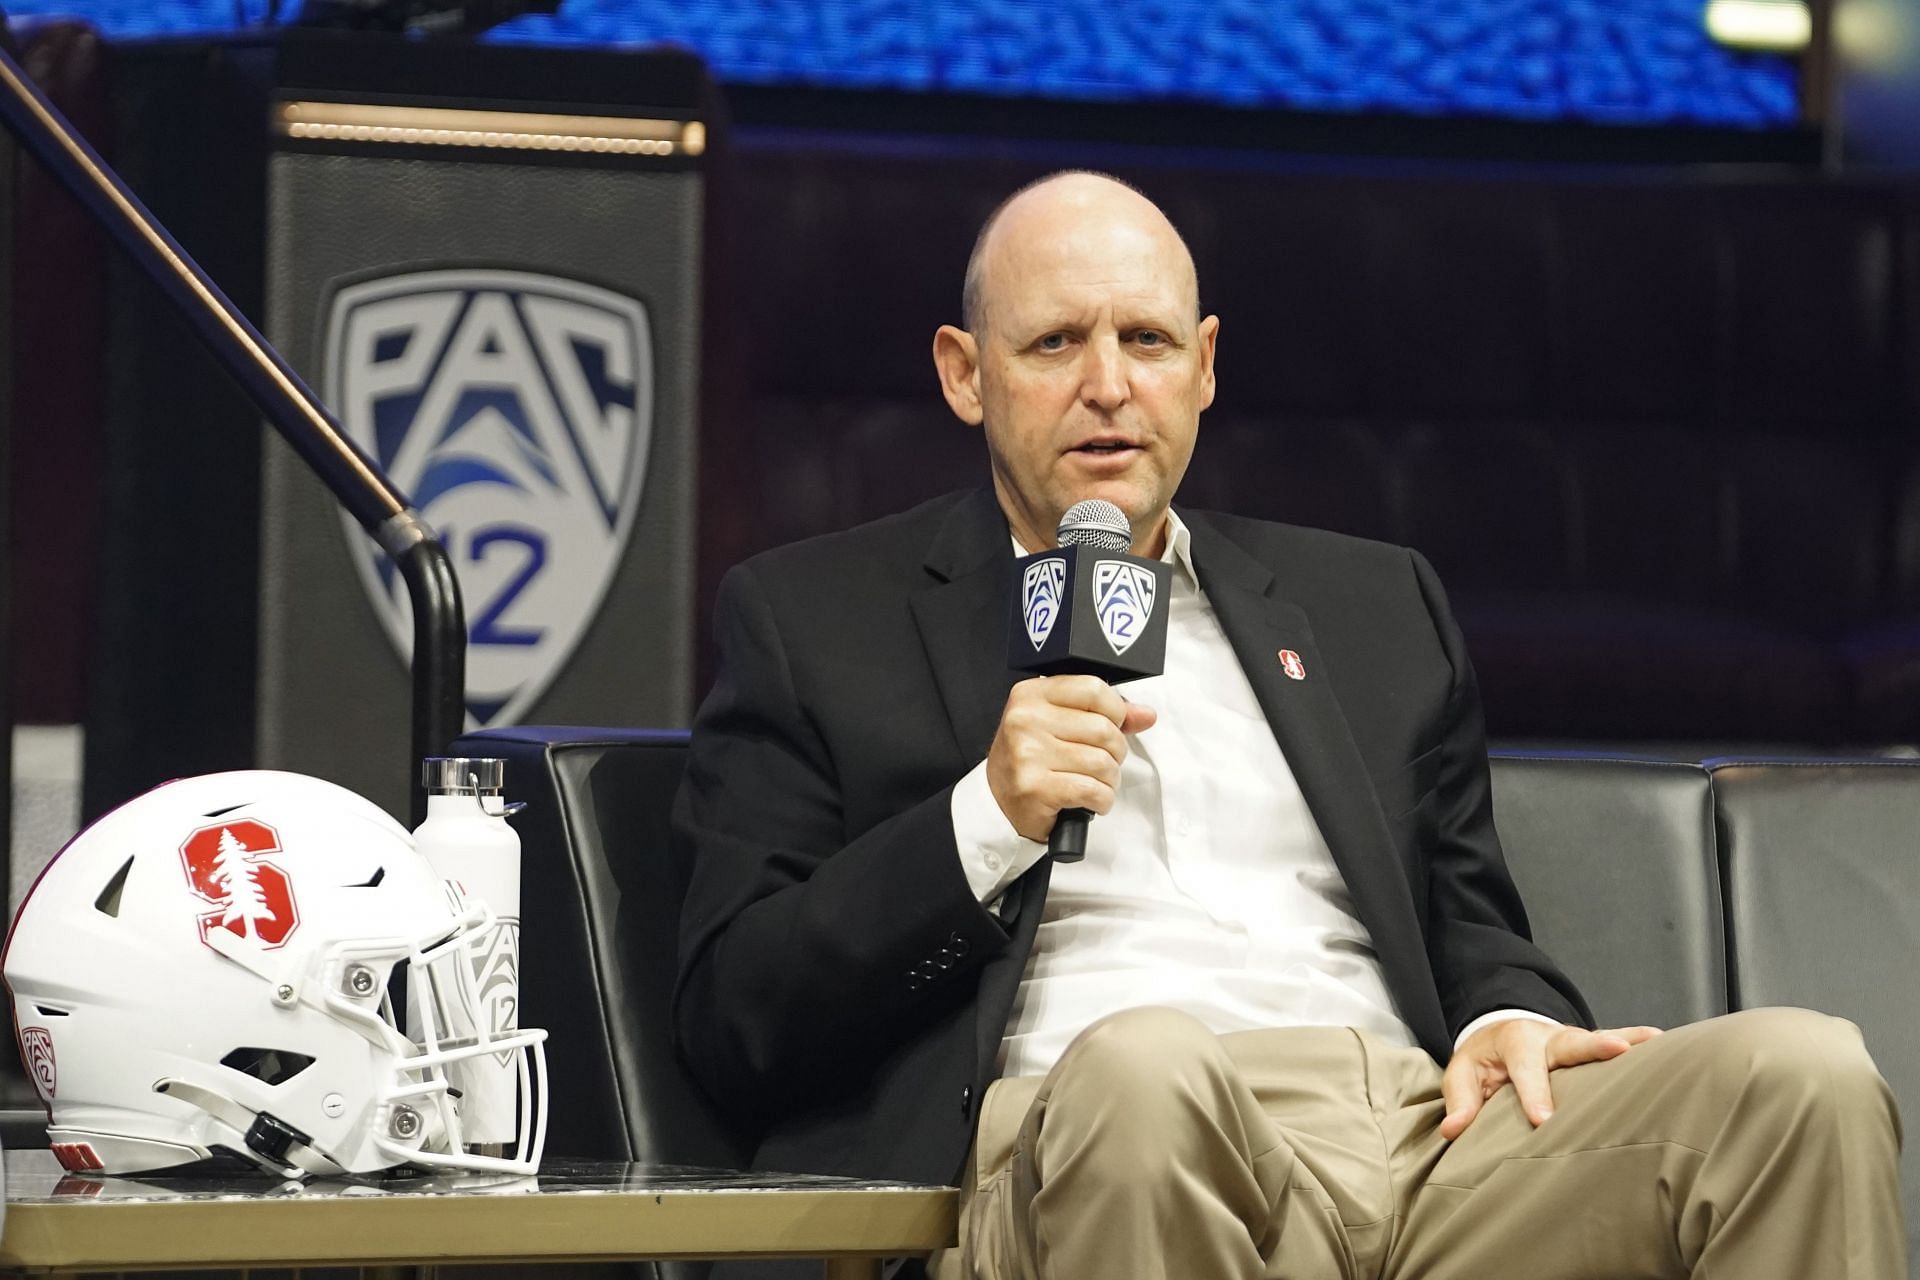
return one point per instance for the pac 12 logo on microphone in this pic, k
(515, 410)
(1123, 600)
(1040, 588)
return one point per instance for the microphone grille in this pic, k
(1097, 525)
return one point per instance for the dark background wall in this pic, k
(1653, 425)
(1645, 396)
(57, 407)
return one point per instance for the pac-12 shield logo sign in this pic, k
(515, 410)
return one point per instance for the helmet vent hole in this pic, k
(45, 1012)
(372, 881)
(215, 813)
(108, 903)
(269, 1066)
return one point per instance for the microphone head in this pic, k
(1097, 525)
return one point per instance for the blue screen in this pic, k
(1600, 61)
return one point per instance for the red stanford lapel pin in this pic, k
(1291, 664)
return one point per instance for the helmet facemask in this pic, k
(413, 1113)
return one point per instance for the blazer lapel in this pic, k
(1318, 743)
(962, 617)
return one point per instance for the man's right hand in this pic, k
(1059, 746)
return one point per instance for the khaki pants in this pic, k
(1753, 1146)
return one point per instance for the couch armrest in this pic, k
(1821, 862)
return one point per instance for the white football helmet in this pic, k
(216, 965)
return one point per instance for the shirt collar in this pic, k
(1179, 552)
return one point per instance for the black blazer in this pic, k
(840, 990)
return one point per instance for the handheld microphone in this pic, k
(1088, 608)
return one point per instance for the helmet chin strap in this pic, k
(295, 1157)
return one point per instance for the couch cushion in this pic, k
(1615, 862)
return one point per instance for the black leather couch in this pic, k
(1670, 892)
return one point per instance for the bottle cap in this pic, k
(463, 775)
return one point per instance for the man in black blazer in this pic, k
(873, 941)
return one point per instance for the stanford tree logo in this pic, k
(252, 898)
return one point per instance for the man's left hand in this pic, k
(1520, 1052)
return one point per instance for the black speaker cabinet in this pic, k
(488, 263)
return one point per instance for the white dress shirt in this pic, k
(1208, 888)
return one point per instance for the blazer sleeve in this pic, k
(807, 952)
(1478, 940)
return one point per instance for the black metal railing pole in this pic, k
(439, 655)
(439, 624)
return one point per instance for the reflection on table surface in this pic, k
(35, 1177)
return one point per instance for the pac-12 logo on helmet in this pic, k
(515, 410)
(36, 1043)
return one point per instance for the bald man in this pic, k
(1285, 1018)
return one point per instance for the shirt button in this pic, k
(993, 862)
